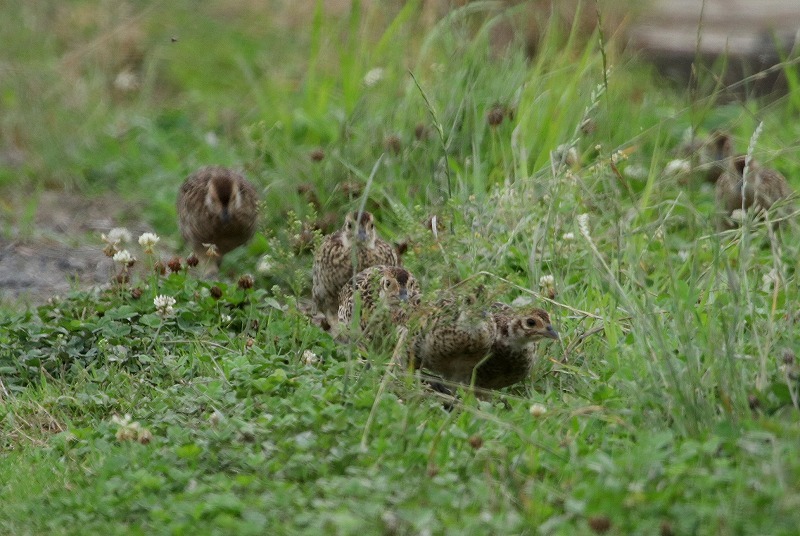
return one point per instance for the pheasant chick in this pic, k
(217, 212)
(351, 249)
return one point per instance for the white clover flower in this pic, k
(148, 241)
(738, 215)
(537, 410)
(117, 235)
(373, 76)
(547, 281)
(618, 157)
(126, 81)
(309, 357)
(677, 166)
(125, 420)
(770, 280)
(164, 304)
(129, 430)
(636, 171)
(123, 257)
(264, 264)
(568, 237)
(583, 226)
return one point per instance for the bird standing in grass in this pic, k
(383, 295)
(761, 188)
(351, 249)
(513, 350)
(217, 212)
(495, 343)
(453, 335)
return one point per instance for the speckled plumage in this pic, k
(513, 350)
(763, 188)
(385, 294)
(344, 253)
(458, 336)
(216, 206)
(454, 334)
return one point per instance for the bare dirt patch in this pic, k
(55, 246)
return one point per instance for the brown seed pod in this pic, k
(246, 282)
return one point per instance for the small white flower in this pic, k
(264, 264)
(618, 157)
(568, 237)
(125, 420)
(677, 166)
(164, 304)
(738, 215)
(148, 241)
(117, 235)
(211, 138)
(537, 410)
(123, 257)
(583, 226)
(373, 76)
(683, 255)
(636, 171)
(126, 81)
(547, 281)
(770, 280)
(310, 357)
(226, 318)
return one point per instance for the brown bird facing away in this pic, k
(351, 249)
(453, 335)
(513, 350)
(382, 295)
(217, 211)
(761, 189)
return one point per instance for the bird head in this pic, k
(222, 197)
(361, 226)
(531, 326)
(398, 284)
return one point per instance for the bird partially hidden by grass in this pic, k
(341, 255)
(217, 212)
(381, 298)
(496, 345)
(451, 336)
(759, 189)
(513, 351)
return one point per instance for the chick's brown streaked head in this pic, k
(533, 326)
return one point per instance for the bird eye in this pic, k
(386, 283)
(531, 322)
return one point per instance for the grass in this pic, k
(671, 402)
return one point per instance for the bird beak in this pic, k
(403, 294)
(225, 216)
(362, 234)
(552, 333)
